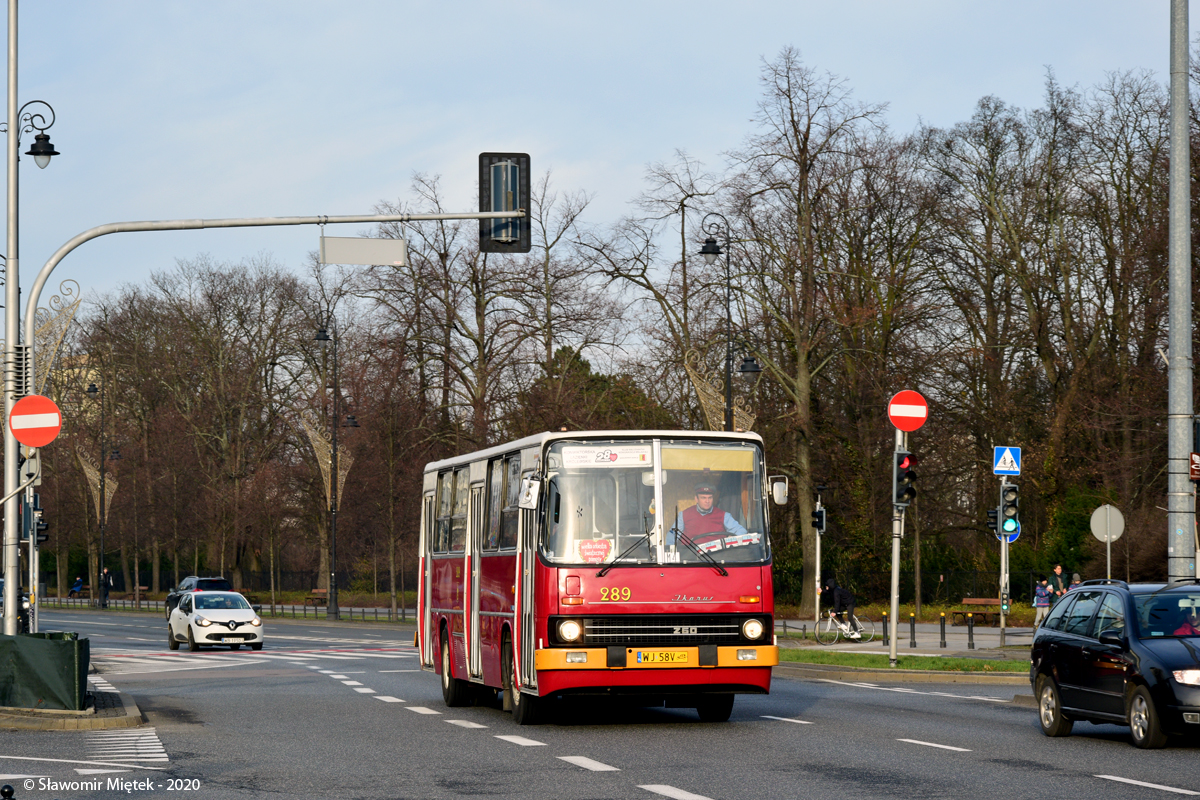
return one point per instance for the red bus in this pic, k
(547, 570)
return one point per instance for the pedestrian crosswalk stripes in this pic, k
(131, 746)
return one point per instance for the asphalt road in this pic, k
(342, 711)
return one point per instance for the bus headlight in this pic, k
(570, 630)
(752, 629)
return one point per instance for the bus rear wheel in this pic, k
(715, 708)
(454, 691)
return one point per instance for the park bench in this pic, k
(985, 617)
(317, 598)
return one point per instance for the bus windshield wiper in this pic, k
(683, 537)
(619, 558)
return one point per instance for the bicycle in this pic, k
(831, 628)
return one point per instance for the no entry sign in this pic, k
(35, 421)
(908, 410)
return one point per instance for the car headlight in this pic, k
(1190, 677)
(570, 630)
(256, 622)
(752, 629)
(202, 622)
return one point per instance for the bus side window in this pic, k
(458, 519)
(508, 517)
(441, 533)
(495, 503)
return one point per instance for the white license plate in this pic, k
(231, 640)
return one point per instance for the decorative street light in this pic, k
(715, 224)
(17, 121)
(325, 340)
(102, 498)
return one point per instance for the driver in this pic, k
(1188, 628)
(705, 523)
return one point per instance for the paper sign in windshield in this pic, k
(595, 551)
(628, 455)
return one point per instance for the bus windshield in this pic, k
(601, 503)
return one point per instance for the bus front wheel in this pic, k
(716, 708)
(524, 707)
(454, 691)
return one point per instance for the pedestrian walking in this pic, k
(106, 583)
(1058, 584)
(1041, 601)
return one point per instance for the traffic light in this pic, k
(1010, 498)
(1004, 602)
(994, 520)
(903, 478)
(818, 521)
(504, 186)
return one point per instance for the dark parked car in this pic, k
(1112, 652)
(22, 608)
(194, 584)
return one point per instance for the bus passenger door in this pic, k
(425, 588)
(474, 547)
(527, 548)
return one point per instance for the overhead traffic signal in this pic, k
(818, 521)
(903, 478)
(1010, 499)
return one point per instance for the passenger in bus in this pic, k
(705, 523)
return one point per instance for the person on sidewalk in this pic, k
(1041, 602)
(106, 583)
(1058, 584)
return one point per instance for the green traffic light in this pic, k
(1010, 525)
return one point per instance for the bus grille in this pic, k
(663, 630)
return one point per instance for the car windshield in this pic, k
(601, 502)
(1166, 614)
(213, 602)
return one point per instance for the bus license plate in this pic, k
(662, 657)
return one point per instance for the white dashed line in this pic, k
(422, 710)
(785, 719)
(339, 677)
(364, 690)
(671, 791)
(521, 740)
(352, 683)
(932, 744)
(587, 763)
(387, 698)
(462, 723)
(914, 691)
(1148, 785)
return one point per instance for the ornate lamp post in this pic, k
(715, 224)
(18, 121)
(334, 476)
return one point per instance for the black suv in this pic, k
(194, 584)
(1112, 652)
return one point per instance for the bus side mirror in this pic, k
(779, 490)
(529, 494)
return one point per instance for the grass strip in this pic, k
(808, 655)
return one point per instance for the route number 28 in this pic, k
(614, 594)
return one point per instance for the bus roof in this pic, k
(540, 439)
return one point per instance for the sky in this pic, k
(232, 109)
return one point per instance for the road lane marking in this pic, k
(326, 671)
(932, 744)
(587, 763)
(462, 723)
(786, 719)
(364, 690)
(338, 677)
(422, 710)
(352, 683)
(387, 698)
(671, 791)
(521, 740)
(914, 691)
(398, 670)
(77, 761)
(1147, 785)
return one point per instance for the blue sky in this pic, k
(225, 109)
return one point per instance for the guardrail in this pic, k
(279, 610)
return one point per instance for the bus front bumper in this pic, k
(629, 658)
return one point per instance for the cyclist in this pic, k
(843, 606)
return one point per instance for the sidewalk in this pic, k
(928, 640)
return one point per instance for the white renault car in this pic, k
(214, 618)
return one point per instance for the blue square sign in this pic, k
(1006, 461)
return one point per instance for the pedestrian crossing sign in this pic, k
(1006, 461)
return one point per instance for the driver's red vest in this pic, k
(702, 528)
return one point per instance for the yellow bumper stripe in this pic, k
(597, 658)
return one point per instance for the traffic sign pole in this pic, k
(1003, 563)
(897, 532)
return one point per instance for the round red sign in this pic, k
(908, 410)
(35, 421)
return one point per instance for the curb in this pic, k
(34, 720)
(795, 671)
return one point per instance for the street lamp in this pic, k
(17, 121)
(715, 224)
(97, 393)
(326, 341)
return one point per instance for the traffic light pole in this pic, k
(897, 534)
(1004, 593)
(817, 601)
